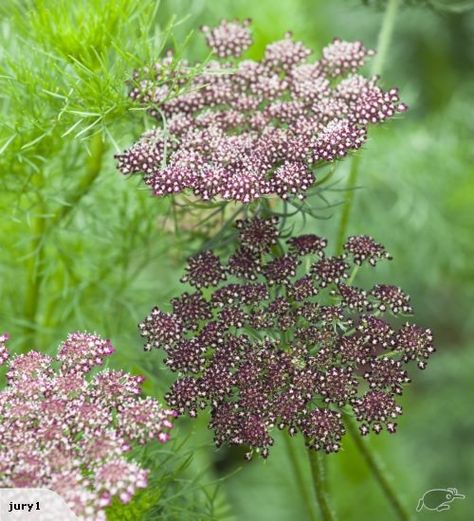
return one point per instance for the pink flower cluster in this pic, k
(241, 129)
(68, 433)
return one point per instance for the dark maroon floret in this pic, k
(330, 315)
(191, 308)
(203, 270)
(309, 311)
(376, 410)
(302, 289)
(364, 248)
(337, 385)
(375, 331)
(352, 297)
(391, 297)
(217, 380)
(160, 329)
(415, 343)
(281, 269)
(232, 316)
(244, 264)
(187, 355)
(355, 350)
(211, 335)
(386, 374)
(258, 234)
(184, 395)
(323, 429)
(330, 270)
(305, 244)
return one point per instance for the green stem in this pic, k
(385, 36)
(377, 471)
(346, 209)
(300, 478)
(353, 275)
(383, 44)
(320, 485)
(35, 268)
(93, 168)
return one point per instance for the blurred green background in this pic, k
(84, 248)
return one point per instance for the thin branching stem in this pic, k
(383, 44)
(353, 275)
(346, 209)
(35, 270)
(320, 485)
(94, 166)
(93, 169)
(377, 471)
(385, 36)
(300, 478)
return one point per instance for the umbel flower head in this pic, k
(68, 431)
(277, 336)
(239, 129)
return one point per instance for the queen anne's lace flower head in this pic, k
(281, 338)
(61, 430)
(240, 129)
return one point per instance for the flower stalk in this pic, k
(42, 226)
(385, 36)
(93, 169)
(35, 267)
(383, 44)
(300, 478)
(346, 209)
(320, 485)
(378, 472)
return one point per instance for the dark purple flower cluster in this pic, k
(284, 340)
(240, 129)
(68, 433)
